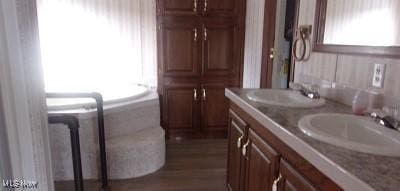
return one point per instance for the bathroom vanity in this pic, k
(267, 151)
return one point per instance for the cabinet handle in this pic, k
(205, 34)
(195, 34)
(239, 141)
(244, 149)
(195, 94)
(195, 5)
(205, 6)
(204, 94)
(276, 181)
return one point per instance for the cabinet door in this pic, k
(179, 7)
(221, 55)
(215, 107)
(180, 47)
(262, 163)
(292, 180)
(180, 107)
(219, 7)
(236, 137)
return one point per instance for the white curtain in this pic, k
(97, 45)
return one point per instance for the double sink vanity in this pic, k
(282, 140)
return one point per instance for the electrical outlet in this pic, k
(379, 75)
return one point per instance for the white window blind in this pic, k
(97, 45)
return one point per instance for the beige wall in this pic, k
(353, 71)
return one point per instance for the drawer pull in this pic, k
(195, 34)
(239, 141)
(195, 94)
(276, 181)
(205, 34)
(204, 94)
(244, 149)
(205, 5)
(195, 5)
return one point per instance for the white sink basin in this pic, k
(352, 132)
(284, 98)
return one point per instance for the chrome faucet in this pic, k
(387, 121)
(311, 92)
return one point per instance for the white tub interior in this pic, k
(116, 95)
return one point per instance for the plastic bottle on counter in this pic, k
(360, 102)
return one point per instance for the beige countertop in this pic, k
(349, 169)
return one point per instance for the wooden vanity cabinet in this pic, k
(259, 161)
(262, 162)
(252, 163)
(237, 134)
(292, 180)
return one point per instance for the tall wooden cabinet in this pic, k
(200, 53)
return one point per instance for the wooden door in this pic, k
(268, 53)
(221, 52)
(262, 163)
(214, 107)
(180, 107)
(292, 180)
(236, 138)
(180, 47)
(178, 7)
(219, 7)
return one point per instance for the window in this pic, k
(97, 45)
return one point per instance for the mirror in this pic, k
(369, 27)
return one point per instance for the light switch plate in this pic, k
(379, 75)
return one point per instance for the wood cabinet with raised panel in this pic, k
(214, 107)
(292, 180)
(221, 49)
(259, 161)
(180, 103)
(199, 7)
(236, 135)
(180, 47)
(252, 163)
(262, 163)
(220, 7)
(178, 7)
(199, 42)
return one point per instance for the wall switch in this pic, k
(379, 75)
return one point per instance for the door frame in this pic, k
(269, 40)
(267, 43)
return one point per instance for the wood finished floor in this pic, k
(191, 165)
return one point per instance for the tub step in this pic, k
(136, 154)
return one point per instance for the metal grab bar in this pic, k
(73, 124)
(100, 118)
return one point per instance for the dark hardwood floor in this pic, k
(191, 165)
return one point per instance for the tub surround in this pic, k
(135, 141)
(348, 169)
